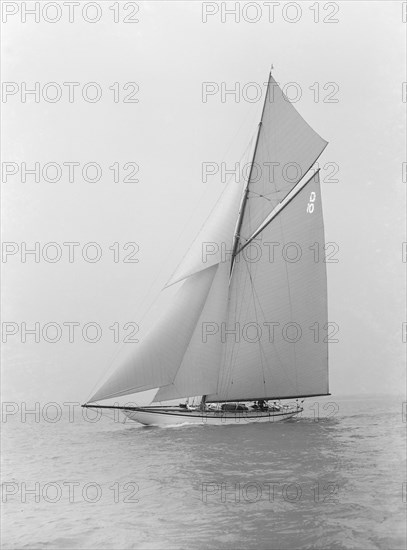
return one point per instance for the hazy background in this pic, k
(169, 133)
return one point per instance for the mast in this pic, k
(236, 238)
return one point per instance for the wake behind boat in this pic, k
(249, 323)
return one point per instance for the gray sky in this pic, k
(169, 53)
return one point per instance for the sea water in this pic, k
(334, 478)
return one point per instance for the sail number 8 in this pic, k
(310, 206)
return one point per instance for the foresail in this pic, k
(287, 148)
(276, 331)
(198, 372)
(155, 360)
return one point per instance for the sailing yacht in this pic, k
(245, 329)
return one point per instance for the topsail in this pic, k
(287, 148)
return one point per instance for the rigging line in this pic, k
(230, 366)
(224, 356)
(108, 414)
(264, 212)
(244, 200)
(235, 349)
(246, 264)
(225, 380)
(281, 362)
(243, 155)
(244, 121)
(275, 192)
(262, 353)
(296, 189)
(290, 302)
(259, 195)
(268, 146)
(298, 186)
(274, 346)
(234, 353)
(255, 295)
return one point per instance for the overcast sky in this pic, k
(169, 53)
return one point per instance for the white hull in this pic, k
(210, 418)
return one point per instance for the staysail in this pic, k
(199, 369)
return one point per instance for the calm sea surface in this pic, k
(335, 483)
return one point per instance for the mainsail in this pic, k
(275, 334)
(252, 325)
